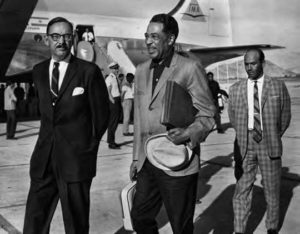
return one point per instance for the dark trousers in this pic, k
(217, 116)
(115, 112)
(155, 187)
(42, 201)
(11, 123)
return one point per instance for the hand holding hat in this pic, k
(178, 135)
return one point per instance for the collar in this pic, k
(259, 80)
(165, 62)
(65, 61)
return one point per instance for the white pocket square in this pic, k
(78, 91)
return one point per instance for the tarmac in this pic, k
(216, 182)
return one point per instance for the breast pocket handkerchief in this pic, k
(78, 91)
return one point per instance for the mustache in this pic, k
(63, 46)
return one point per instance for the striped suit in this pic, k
(276, 115)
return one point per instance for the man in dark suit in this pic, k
(176, 189)
(260, 112)
(215, 91)
(74, 109)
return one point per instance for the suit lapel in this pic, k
(265, 90)
(149, 81)
(164, 77)
(244, 93)
(70, 73)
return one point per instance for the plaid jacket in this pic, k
(276, 114)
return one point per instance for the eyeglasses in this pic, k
(56, 36)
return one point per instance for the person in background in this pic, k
(215, 90)
(21, 104)
(122, 80)
(10, 101)
(32, 100)
(260, 112)
(115, 106)
(74, 110)
(127, 102)
(176, 189)
(2, 112)
(88, 36)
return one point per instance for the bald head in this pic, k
(254, 60)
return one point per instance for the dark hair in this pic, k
(210, 73)
(260, 53)
(129, 77)
(169, 23)
(59, 20)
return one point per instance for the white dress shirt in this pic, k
(63, 65)
(250, 87)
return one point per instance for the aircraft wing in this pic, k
(209, 55)
(14, 16)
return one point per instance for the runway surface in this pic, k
(215, 185)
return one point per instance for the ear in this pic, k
(171, 39)
(264, 64)
(46, 40)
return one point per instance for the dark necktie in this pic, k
(119, 85)
(54, 81)
(257, 136)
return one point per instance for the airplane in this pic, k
(205, 34)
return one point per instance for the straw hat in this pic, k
(165, 155)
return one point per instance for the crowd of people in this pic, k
(16, 102)
(82, 105)
(121, 92)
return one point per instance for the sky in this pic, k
(269, 21)
(253, 21)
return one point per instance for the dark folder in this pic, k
(178, 110)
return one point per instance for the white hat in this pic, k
(165, 155)
(113, 65)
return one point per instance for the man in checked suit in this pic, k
(260, 112)
(176, 189)
(73, 102)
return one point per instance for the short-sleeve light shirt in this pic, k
(111, 81)
(128, 91)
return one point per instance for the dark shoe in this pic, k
(220, 131)
(11, 138)
(113, 146)
(128, 134)
(272, 231)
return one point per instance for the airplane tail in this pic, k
(116, 51)
(207, 21)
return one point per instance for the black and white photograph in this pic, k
(149, 117)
